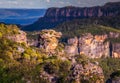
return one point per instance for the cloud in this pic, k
(13, 2)
(61, 2)
(48, 1)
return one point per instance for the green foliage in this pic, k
(80, 27)
(81, 59)
(51, 68)
(26, 56)
(115, 74)
(19, 67)
(30, 52)
(55, 65)
(6, 30)
(7, 48)
(1, 35)
(109, 65)
(32, 35)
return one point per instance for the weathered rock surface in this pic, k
(87, 72)
(48, 39)
(20, 38)
(116, 50)
(94, 46)
(48, 77)
(32, 42)
(72, 48)
(80, 73)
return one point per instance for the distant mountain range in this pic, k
(56, 16)
(20, 16)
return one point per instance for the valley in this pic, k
(60, 45)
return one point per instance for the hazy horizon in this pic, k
(40, 4)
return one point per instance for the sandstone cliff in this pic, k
(55, 16)
(109, 9)
(116, 50)
(94, 46)
(72, 47)
(48, 40)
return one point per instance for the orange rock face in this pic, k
(116, 50)
(100, 38)
(48, 39)
(94, 46)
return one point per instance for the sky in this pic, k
(37, 4)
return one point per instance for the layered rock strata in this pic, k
(94, 46)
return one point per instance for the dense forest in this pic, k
(20, 63)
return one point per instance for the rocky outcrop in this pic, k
(94, 46)
(48, 77)
(48, 40)
(55, 16)
(72, 48)
(116, 50)
(20, 38)
(80, 73)
(32, 42)
(87, 73)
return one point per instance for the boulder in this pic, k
(48, 40)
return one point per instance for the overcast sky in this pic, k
(50, 3)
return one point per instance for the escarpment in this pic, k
(70, 12)
(70, 65)
(56, 16)
(94, 46)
